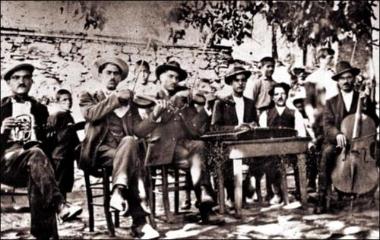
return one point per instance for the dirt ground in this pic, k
(259, 221)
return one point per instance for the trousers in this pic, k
(31, 168)
(126, 161)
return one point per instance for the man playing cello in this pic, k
(336, 109)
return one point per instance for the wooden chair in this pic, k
(158, 178)
(104, 187)
(14, 192)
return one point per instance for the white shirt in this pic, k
(347, 99)
(19, 108)
(298, 121)
(239, 108)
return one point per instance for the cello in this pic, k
(355, 171)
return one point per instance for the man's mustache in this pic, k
(22, 85)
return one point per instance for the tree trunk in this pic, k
(304, 55)
(274, 42)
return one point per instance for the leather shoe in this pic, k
(276, 199)
(186, 205)
(206, 197)
(117, 200)
(68, 212)
(145, 207)
(145, 231)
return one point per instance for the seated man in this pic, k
(280, 116)
(337, 108)
(175, 138)
(112, 122)
(238, 112)
(23, 162)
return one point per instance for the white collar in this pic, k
(237, 98)
(280, 110)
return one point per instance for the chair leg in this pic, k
(107, 212)
(55, 230)
(176, 191)
(117, 219)
(90, 205)
(165, 195)
(149, 186)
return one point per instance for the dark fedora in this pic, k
(343, 67)
(174, 66)
(282, 85)
(116, 61)
(236, 70)
(19, 66)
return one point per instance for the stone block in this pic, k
(65, 48)
(42, 47)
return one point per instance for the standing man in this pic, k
(235, 112)
(322, 76)
(112, 122)
(258, 89)
(23, 161)
(336, 109)
(276, 117)
(175, 138)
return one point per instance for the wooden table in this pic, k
(238, 150)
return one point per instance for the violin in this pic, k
(182, 97)
(355, 171)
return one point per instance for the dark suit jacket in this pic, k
(224, 113)
(39, 112)
(335, 112)
(65, 137)
(95, 108)
(183, 124)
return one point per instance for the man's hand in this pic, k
(243, 126)
(124, 95)
(341, 140)
(253, 125)
(7, 124)
(160, 107)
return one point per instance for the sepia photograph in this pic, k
(184, 119)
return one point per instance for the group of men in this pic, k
(116, 133)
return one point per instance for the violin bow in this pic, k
(139, 69)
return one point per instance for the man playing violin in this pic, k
(336, 109)
(175, 138)
(112, 124)
(23, 160)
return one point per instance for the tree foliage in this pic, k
(306, 22)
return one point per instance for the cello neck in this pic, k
(357, 122)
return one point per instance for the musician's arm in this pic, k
(198, 124)
(92, 110)
(4, 136)
(142, 127)
(331, 131)
(217, 116)
(255, 121)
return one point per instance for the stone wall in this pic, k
(66, 61)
